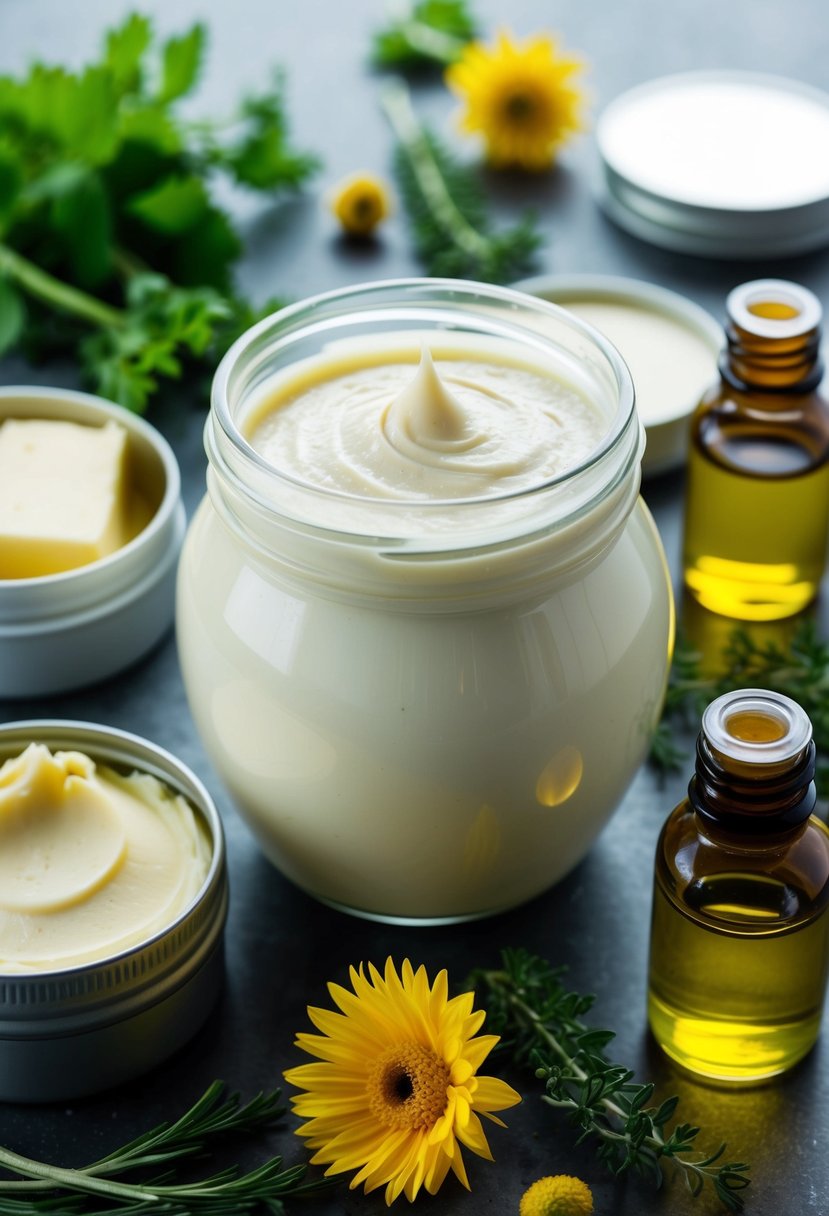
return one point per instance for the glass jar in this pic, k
(425, 712)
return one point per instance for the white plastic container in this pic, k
(430, 716)
(67, 630)
(670, 344)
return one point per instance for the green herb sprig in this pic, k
(39, 1188)
(539, 1021)
(112, 245)
(445, 204)
(798, 668)
(424, 34)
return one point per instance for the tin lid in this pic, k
(723, 164)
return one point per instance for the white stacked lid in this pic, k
(722, 164)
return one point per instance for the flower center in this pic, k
(518, 107)
(365, 207)
(407, 1086)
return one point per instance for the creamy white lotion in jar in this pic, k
(424, 620)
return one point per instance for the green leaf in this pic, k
(181, 63)
(261, 156)
(11, 179)
(207, 252)
(12, 316)
(125, 47)
(173, 206)
(166, 325)
(89, 125)
(82, 216)
(58, 179)
(77, 113)
(151, 125)
(431, 33)
(265, 162)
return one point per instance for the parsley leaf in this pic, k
(108, 222)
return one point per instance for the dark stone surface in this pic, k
(281, 946)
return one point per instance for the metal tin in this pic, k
(67, 630)
(68, 1033)
(722, 164)
(666, 425)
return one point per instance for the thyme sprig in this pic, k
(446, 206)
(539, 1021)
(39, 1188)
(798, 668)
(423, 34)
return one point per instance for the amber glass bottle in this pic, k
(757, 505)
(740, 931)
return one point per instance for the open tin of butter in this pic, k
(71, 1032)
(66, 630)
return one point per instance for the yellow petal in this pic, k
(494, 1094)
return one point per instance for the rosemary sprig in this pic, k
(423, 34)
(540, 1022)
(446, 206)
(40, 1188)
(798, 669)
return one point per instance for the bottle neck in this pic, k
(753, 362)
(774, 335)
(760, 800)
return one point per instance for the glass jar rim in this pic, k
(455, 292)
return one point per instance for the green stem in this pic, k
(397, 104)
(73, 1179)
(546, 1036)
(56, 293)
(434, 44)
(653, 1141)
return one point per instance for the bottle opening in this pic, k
(755, 726)
(773, 310)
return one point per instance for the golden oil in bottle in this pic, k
(757, 502)
(740, 931)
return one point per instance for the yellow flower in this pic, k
(557, 1196)
(520, 97)
(360, 202)
(395, 1092)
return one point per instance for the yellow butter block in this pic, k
(63, 495)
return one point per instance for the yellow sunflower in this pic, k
(394, 1092)
(521, 97)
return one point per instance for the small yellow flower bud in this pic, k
(561, 1195)
(360, 202)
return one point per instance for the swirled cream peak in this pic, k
(91, 862)
(413, 423)
(425, 415)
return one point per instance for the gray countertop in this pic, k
(282, 946)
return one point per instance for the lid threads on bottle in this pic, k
(755, 764)
(774, 335)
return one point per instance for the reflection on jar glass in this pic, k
(425, 629)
